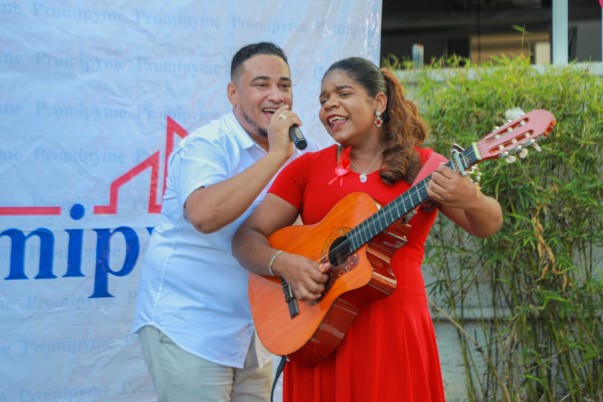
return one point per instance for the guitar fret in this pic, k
(364, 234)
(404, 207)
(418, 194)
(465, 155)
(384, 219)
(389, 212)
(470, 155)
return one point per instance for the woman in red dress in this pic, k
(389, 352)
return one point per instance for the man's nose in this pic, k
(276, 95)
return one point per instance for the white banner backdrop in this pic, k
(94, 95)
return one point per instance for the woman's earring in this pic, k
(378, 119)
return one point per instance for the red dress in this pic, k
(389, 353)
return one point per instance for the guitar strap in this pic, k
(431, 164)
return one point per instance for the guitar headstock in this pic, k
(516, 136)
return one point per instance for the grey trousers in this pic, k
(182, 377)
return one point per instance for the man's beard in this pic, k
(260, 131)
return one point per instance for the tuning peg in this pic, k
(523, 152)
(536, 146)
(510, 159)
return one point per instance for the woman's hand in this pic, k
(305, 277)
(451, 189)
(463, 202)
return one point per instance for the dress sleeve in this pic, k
(424, 154)
(290, 183)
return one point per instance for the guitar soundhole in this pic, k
(341, 260)
(339, 256)
(339, 252)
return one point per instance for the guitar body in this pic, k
(365, 276)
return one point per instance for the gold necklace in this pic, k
(363, 174)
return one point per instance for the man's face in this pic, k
(263, 86)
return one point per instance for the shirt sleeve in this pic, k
(198, 164)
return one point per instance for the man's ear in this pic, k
(231, 92)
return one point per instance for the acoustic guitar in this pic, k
(358, 238)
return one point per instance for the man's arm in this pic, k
(211, 208)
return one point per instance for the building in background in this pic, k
(480, 29)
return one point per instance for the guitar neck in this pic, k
(405, 203)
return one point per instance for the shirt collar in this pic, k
(239, 132)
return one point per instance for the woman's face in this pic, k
(346, 109)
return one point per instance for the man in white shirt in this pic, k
(192, 316)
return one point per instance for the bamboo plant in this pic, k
(527, 303)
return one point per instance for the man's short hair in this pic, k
(254, 49)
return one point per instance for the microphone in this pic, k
(297, 137)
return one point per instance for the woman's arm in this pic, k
(251, 247)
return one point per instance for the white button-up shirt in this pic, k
(191, 287)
